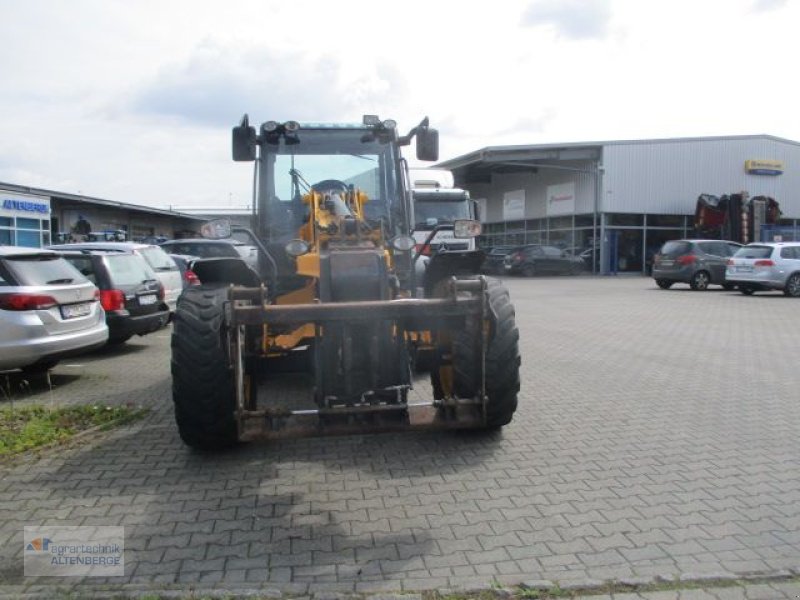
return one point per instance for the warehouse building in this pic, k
(36, 217)
(622, 199)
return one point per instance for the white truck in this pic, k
(437, 202)
(437, 205)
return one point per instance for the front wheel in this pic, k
(502, 359)
(792, 287)
(202, 379)
(663, 284)
(746, 290)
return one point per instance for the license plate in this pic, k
(72, 311)
(744, 269)
(666, 263)
(148, 299)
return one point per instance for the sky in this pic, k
(134, 101)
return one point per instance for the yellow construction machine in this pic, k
(338, 297)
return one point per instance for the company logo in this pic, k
(763, 167)
(25, 205)
(40, 544)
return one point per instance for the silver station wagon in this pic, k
(766, 266)
(48, 310)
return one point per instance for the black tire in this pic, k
(792, 287)
(699, 281)
(118, 341)
(746, 290)
(203, 388)
(728, 287)
(529, 271)
(502, 359)
(663, 284)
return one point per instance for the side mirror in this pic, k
(244, 141)
(427, 144)
(218, 229)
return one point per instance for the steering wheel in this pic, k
(331, 185)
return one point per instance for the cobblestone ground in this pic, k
(657, 436)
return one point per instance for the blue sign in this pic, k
(25, 205)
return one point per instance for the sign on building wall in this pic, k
(514, 205)
(763, 167)
(24, 205)
(561, 199)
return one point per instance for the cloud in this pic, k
(768, 5)
(216, 84)
(573, 19)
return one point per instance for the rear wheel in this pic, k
(502, 359)
(529, 271)
(202, 378)
(699, 281)
(663, 284)
(792, 287)
(746, 290)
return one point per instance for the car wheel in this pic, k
(529, 271)
(699, 281)
(747, 291)
(728, 286)
(792, 287)
(663, 284)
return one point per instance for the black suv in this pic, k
(696, 262)
(536, 259)
(130, 291)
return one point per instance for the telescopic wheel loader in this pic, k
(336, 297)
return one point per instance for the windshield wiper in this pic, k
(163, 268)
(64, 280)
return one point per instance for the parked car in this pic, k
(166, 270)
(204, 248)
(536, 259)
(130, 292)
(48, 310)
(696, 262)
(766, 266)
(184, 263)
(494, 263)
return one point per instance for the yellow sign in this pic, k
(763, 167)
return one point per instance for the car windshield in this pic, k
(350, 156)
(429, 214)
(42, 269)
(128, 269)
(158, 259)
(754, 252)
(204, 250)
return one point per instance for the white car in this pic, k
(48, 310)
(166, 270)
(766, 266)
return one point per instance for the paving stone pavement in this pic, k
(657, 436)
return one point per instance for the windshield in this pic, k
(158, 259)
(128, 269)
(321, 155)
(754, 252)
(429, 214)
(42, 269)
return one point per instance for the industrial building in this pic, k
(622, 198)
(36, 217)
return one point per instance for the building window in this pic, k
(665, 220)
(624, 220)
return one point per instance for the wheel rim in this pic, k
(793, 285)
(701, 281)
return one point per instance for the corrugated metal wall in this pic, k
(665, 177)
